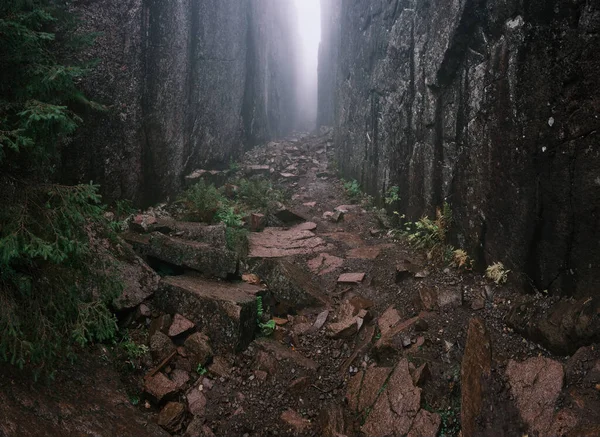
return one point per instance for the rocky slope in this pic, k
(491, 106)
(188, 84)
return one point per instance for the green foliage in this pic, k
(259, 307)
(267, 328)
(234, 166)
(431, 234)
(258, 195)
(133, 350)
(202, 202)
(55, 291)
(124, 208)
(38, 84)
(237, 240)
(392, 195)
(134, 400)
(201, 370)
(353, 189)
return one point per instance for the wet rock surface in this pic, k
(486, 105)
(389, 351)
(188, 84)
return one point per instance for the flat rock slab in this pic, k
(226, 312)
(213, 235)
(201, 257)
(352, 240)
(280, 242)
(367, 252)
(351, 278)
(324, 264)
(282, 352)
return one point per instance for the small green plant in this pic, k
(228, 215)
(267, 328)
(124, 208)
(431, 234)
(134, 400)
(258, 195)
(202, 202)
(133, 350)
(352, 189)
(234, 166)
(259, 307)
(497, 273)
(201, 370)
(392, 195)
(461, 260)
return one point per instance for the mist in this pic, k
(309, 28)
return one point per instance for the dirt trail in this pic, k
(371, 337)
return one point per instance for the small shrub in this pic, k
(201, 370)
(133, 350)
(431, 234)
(201, 202)
(353, 189)
(267, 328)
(392, 195)
(461, 260)
(258, 195)
(497, 273)
(228, 215)
(124, 208)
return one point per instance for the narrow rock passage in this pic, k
(337, 328)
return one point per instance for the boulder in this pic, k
(213, 261)
(225, 312)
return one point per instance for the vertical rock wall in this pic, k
(189, 83)
(492, 106)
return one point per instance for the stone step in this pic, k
(213, 235)
(202, 257)
(224, 311)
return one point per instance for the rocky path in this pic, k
(370, 338)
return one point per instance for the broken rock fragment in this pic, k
(180, 325)
(171, 416)
(159, 386)
(351, 278)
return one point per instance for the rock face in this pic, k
(189, 84)
(487, 105)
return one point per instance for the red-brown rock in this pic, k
(159, 386)
(198, 347)
(351, 278)
(171, 416)
(196, 402)
(475, 376)
(536, 385)
(180, 325)
(426, 424)
(294, 420)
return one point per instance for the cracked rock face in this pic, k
(189, 84)
(491, 106)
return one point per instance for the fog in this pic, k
(309, 25)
